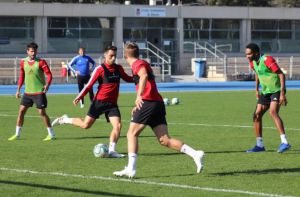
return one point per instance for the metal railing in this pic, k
(9, 68)
(156, 56)
(213, 56)
(232, 68)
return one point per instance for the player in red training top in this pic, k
(149, 110)
(32, 71)
(108, 75)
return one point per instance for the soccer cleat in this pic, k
(256, 149)
(199, 160)
(14, 137)
(283, 147)
(115, 155)
(125, 172)
(49, 138)
(60, 120)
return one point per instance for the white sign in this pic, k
(150, 12)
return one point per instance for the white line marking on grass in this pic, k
(144, 182)
(177, 123)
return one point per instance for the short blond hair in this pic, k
(132, 50)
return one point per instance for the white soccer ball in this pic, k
(101, 150)
(166, 101)
(175, 101)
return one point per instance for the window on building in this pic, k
(15, 33)
(225, 32)
(275, 35)
(67, 34)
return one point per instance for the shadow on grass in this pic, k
(264, 171)
(159, 154)
(66, 189)
(97, 137)
(168, 176)
(82, 138)
(244, 151)
(236, 151)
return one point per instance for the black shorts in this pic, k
(265, 99)
(40, 100)
(99, 107)
(152, 113)
(83, 79)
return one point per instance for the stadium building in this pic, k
(170, 35)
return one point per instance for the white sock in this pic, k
(283, 139)
(112, 146)
(18, 130)
(132, 157)
(68, 120)
(50, 131)
(259, 142)
(188, 150)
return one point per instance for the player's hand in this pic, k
(133, 110)
(76, 101)
(18, 95)
(138, 102)
(257, 94)
(282, 100)
(77, 73)
(46, 88)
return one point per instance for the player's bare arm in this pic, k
(256, 86)
(142, 84)
(18, 94)
(282, 100)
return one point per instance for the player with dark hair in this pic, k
(108, 75)
(149, 110)
(269, 76)
(32, 72)
(82, 71)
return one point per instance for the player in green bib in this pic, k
(32, 72)
(271, 79)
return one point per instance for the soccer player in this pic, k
(108, 75)
(272, 95)
(32, 71)
(82, 71)
(149, 110)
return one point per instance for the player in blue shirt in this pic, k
(82, 71)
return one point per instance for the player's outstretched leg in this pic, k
(60, 120)
(161, 132)
(199, 160)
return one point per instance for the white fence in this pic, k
(9, 70)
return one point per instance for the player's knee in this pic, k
(22, 111)
(85, 126)
(117, 127)
(132, 134)
(42, 113)
(164, 140)
(273, 113)
(256, 117)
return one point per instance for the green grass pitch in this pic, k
(220, 123)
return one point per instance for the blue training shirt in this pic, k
(82, 64)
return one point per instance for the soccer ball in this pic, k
(166, 101)
(175, 101)
(100, 150)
